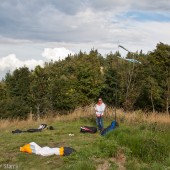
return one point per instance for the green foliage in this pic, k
(14, 108)
(18, 83)
(160, 63)
(3, 92)
(16, 103)
(39, 91)
(80, 79)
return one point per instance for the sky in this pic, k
(36, 31)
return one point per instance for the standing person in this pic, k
(99, 108)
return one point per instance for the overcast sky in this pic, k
(34, 31)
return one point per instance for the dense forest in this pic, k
(139, 81)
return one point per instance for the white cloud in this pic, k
(56, 53)
(11, 62)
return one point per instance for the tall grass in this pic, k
(145, 145)
(89, 113)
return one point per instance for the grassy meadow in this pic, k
(141, 142)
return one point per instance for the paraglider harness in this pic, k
(88, 129)
(39, 129)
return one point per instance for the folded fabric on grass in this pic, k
(39, 129)
(46, 151)
(112, 126)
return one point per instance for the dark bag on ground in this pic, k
(87, 129)
(112, 126)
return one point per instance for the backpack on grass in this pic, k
(87, 129)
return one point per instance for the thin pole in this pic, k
(116, 102)
(116, 88)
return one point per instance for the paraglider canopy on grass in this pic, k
(46, 151)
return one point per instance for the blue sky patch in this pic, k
(148, 16)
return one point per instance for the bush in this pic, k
(14, 108)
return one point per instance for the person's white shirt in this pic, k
(99, 108)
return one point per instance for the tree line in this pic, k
(141, 81)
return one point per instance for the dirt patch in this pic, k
(104, 165)
(119, 160)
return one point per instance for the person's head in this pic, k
(100, 100)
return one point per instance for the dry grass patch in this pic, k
(88, 112)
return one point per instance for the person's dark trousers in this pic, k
(99, 121)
